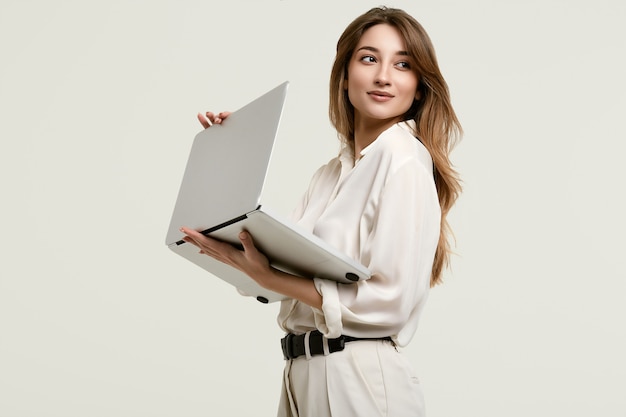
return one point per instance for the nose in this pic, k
(382, 76)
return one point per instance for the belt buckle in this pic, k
(337, 345)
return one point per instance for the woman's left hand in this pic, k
(249, 260)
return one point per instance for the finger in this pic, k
(204, 121)
(219, 250)
(219, 118)
(190, 232)
(206, 249)
(196, 244)
(189, 240)
(249, 249)
(214, 118)
(196, 238)
(246, 242)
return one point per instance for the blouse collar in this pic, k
(346, 155)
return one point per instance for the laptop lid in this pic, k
(239, 150)
(220, 195)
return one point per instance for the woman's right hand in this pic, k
(209, 119)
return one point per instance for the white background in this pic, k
(97, 114)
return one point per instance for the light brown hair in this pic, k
(437, 126)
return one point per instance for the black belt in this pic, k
(293, 345)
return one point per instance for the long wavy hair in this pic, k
(437, 126)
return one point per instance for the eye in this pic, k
(368, 59)
(404, 65)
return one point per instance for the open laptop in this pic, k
(222, 194)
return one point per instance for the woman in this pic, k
(383, 201)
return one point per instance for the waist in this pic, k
(314, 343)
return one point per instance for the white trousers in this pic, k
(367, 378)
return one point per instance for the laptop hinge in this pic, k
(219, 226)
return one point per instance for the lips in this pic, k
(380, 95)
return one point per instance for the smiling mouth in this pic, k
(380, 94)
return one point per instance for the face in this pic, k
(381, 83)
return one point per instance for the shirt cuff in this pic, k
(328, 319)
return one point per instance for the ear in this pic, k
(418, 89)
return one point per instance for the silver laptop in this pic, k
(222, 194)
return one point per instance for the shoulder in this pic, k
(332, 167)
(328, 172)
(398, 146)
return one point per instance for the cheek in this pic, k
(352, 86)
(411, 90)
(350, 94)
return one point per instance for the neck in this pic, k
(366, 132)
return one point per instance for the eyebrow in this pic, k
(371, 48)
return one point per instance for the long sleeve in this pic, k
(382, 211)
(399, 252)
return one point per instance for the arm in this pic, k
(249, 260)
(398, 249)
(254, 264)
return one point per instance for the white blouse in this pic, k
(384, 212)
